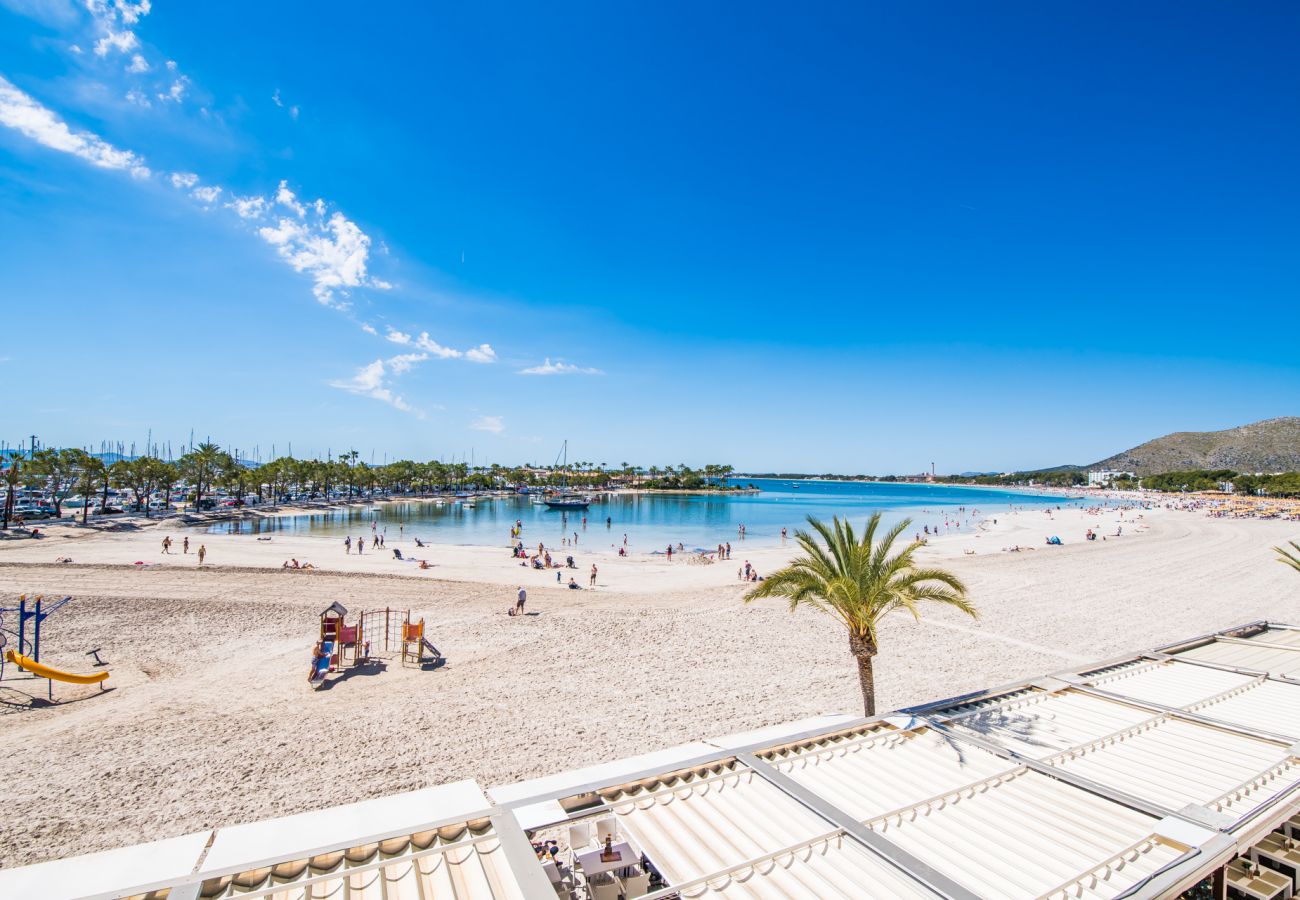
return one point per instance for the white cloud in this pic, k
(404, 362)
(494, 424)
(207, 195)
(293, 110)
(333, 251)
(171, 65)
(483, 353)
(22, 113)
(248, 207)
(182, 180)
(119, 41)
(138, 64)
(176, 93)
(75, 49)
(559, 367)
(132, 12)
(289, 200)
(368, 328)
(372, 381)
(138, 99)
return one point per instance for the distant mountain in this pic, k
(1272, 445)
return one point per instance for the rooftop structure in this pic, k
(1134, 777)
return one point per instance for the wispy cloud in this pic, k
(21, 112)
(493, 424)
(175, 93)
(116, 41)
(372, 381)
(483, 353)
(333, 251)
(559, 367)
(311, 237)
(275, 98)
(248, 207)
(207, 195)
(328, 247)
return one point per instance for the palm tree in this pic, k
(859, 582)
(1291, 559)
(12, 478)
(92, 470)
(200, 466)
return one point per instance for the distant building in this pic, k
(1104, 478)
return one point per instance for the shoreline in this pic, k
(643, 568)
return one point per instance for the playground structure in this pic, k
(27, 655)
(376, 634)
(414, 644)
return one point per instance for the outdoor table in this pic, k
(1267, 885)
(1274, 849)
(592, 864)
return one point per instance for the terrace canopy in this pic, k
(1133, 777)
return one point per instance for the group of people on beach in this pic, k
(185, 547)
(376, 543)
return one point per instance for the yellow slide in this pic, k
(36, 668)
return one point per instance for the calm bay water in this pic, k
(652, 521)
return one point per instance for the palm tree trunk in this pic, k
(864, 652)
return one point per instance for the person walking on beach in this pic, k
(203, 551)
(167, 544)
(593, 575)
(519, 602)
(670, 552)
(361, 544)
(185, 544)
(347, 545)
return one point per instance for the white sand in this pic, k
(211, 720)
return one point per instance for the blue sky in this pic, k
(855, 237)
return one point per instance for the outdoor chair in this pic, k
(603, 887)
(636, 885)
(606, 828)
(579, 836)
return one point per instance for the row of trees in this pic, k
(1284, 484)
(1065, 478)
(62, 473)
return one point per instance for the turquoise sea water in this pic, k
(652, 521)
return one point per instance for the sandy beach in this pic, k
(211, 721)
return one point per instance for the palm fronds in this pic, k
(859, 580)
(1290, 559)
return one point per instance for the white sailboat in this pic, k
(567, 499)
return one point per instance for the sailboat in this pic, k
(567, 499)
